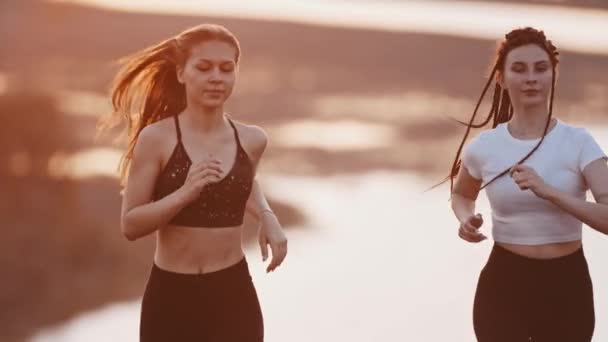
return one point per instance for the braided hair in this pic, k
(502, 109)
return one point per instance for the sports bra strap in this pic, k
(236, 132)
(179, 132)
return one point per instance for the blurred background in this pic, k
(355, 96)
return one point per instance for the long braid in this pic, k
(491, 115)
(505, 107)
(457, 162)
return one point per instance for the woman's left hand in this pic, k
(271, 233)
(526, 178)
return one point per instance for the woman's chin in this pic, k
(211, 103)
(533, 101)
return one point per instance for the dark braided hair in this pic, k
(502, 109)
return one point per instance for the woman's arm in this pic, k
(595, 215)
(256, 142)
(462, 207)
(140, 216)
(270, 232)
(257, 205)
(466, 189)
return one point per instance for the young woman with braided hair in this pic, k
(189, 176)
(536, 170)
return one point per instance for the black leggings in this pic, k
(220, 306)
(524, 299)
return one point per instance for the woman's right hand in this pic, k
(469, 229)
(200, 175)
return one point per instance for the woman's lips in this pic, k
(531, 92)
(213, 93)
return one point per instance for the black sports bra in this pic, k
(220, 204)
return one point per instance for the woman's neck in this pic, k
(528, 122)
(204, 119)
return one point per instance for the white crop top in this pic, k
(520, 217)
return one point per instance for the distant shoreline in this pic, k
(575, 29)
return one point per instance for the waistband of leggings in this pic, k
(237, 270)
(500, 254)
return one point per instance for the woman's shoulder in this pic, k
(484, 138)
(254, 132)
(575, 134)
(158, 130)
(155, 136)
(480, 149)
(571, 129)
(253, 138)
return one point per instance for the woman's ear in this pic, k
(179, 72)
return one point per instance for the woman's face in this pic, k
(527, 75)
(209, 73)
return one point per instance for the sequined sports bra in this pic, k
(220, 204)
